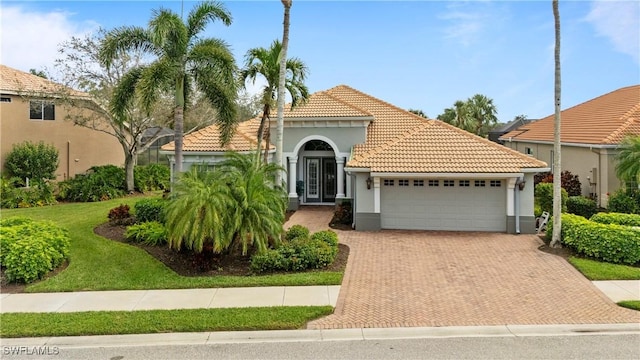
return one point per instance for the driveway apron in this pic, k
(425, 278)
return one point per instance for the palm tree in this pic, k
(628, 166)
(557, 195)
(482, 112)
(265, 62)
(197, 213)
(257, 215)
(281, 84)
(184, 62)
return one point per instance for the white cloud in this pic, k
(29, 39)
(465, 26)
(620, 22)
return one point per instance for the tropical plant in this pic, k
(281, 85)
(184, 62)
(557, 195)
(265, 62)
(36, 161)
(476, 115)
(628, 160)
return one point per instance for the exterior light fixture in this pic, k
(369, 183)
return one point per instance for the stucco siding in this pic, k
(364, 196)
(344, 138)
(79, 148)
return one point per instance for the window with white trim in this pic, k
(449, 183)
(464, 183)
(418, 182)
(387, 182)
(495, 183)
(403, 182)
(434, 183)
(41, 110)
(479, 183)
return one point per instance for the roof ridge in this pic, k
(620, 131)
(380, 101)
(398, 138)
(346, 103)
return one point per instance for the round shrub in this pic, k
(580, 205)
(148, 233)
(544, 196)
(297, 255)
(31, 248)
(150, 210)
(34, 161)
(627, 202)
(295, 232)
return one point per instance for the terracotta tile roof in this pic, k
(323, 105)
(18, 82)
(208, 139)
(436, 147)
(604, 120)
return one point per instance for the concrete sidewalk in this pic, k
(619, 290)
(130, 300)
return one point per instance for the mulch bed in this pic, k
(563, 252)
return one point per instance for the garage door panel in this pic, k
(443, 208)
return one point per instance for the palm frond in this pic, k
(122, 39)
(205, 12)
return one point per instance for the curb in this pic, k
(357, 334)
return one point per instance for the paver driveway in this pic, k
(423, 278)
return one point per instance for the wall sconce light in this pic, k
(521, 185)
(369, 183)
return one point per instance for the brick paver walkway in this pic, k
(420, 278)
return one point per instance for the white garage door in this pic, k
(457, 205)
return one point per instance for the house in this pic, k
(590, 135)
(496, 133)
(29, 112)
(400, 171)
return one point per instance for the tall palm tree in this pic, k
(184, 62)
(265, 62)
(628, 166)
(557, 195)
(281, 84)
(482, 112)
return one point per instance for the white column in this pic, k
(511, 184)
(376, 195)
(293, 171)
(340, 189)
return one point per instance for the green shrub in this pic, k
(34, 161)
(617, 218)
(40, 193)
(151, 177)
(607, 242)
(98, 184)
(343, 214)
(580, 205)
(150, 210)
(295, 232)
(119, 214)
(29, 249)
(301, 253)
(568, 181)
(544, 196)
(627, 202)
(149, 233)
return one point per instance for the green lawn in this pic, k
(96, 263)
(158, 321)
(596, 270)
(630, 304)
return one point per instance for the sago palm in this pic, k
(628, 166)
(265, 62)
(183, 61)
(259, 205)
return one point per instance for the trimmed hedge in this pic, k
(607, 242)
(301, 253)
(29, 249)
(149, 233)
(617, 218)
(583, 206)
(147, 210)
(627, 202)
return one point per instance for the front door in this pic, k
(320, 179)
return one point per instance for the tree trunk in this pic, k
(267, 141)
(281, 90)
(129, 165)
(178, 125)
(557, 169)
(265, 116)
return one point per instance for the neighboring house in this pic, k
(496, 134)
(29, 112)
(152, 154)
(401, 171)
(590, 135)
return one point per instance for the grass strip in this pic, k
(630, 304)
(596, 270)
(96, 263)
(158, 321)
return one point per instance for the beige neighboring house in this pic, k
(399, 170)
(590, 135)
(29, 112)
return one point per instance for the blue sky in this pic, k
(413, 54)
